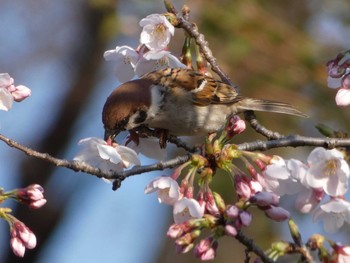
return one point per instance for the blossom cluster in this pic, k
(325, 173)
(150, 55)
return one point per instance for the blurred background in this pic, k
(271, 49)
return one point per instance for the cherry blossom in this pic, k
(167, 189)
(328, 170)
(333, 213)
(308, 199)
(125, 59)
(98, 153)
(185, 209)
(156, 32)
(283, 177)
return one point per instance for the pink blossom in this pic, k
(167, 189)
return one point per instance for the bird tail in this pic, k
(269, 106)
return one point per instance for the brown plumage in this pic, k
(182, 101)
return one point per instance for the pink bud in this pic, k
(21, 231)
(17, 246)
(265, 199)
(232, 212)
(230, 230)
(277, 213)
(32, 195)
(38, 204)
(174, 231)
(235, 126)
(206, 249)
(245, 218)
(21, 93)
(242, 187)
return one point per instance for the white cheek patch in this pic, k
(201, 86)
(157, 96)
(131, 123)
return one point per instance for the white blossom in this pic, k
(187, 208)
(328, 170)
(167, 189)
(157, 32)
(125, 59)
(98, 153)
(333, 213)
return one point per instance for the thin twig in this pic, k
(199, 38)
(249, 244)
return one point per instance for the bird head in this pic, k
(126, 107)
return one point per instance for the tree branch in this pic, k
(84, 167)
(294, 141)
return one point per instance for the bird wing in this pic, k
(205, 90)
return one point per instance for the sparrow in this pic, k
(181, 101)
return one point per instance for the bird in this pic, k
(182, 102)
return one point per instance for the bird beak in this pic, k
(110, 135)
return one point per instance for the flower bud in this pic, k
(277, 213)
(264, 199)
